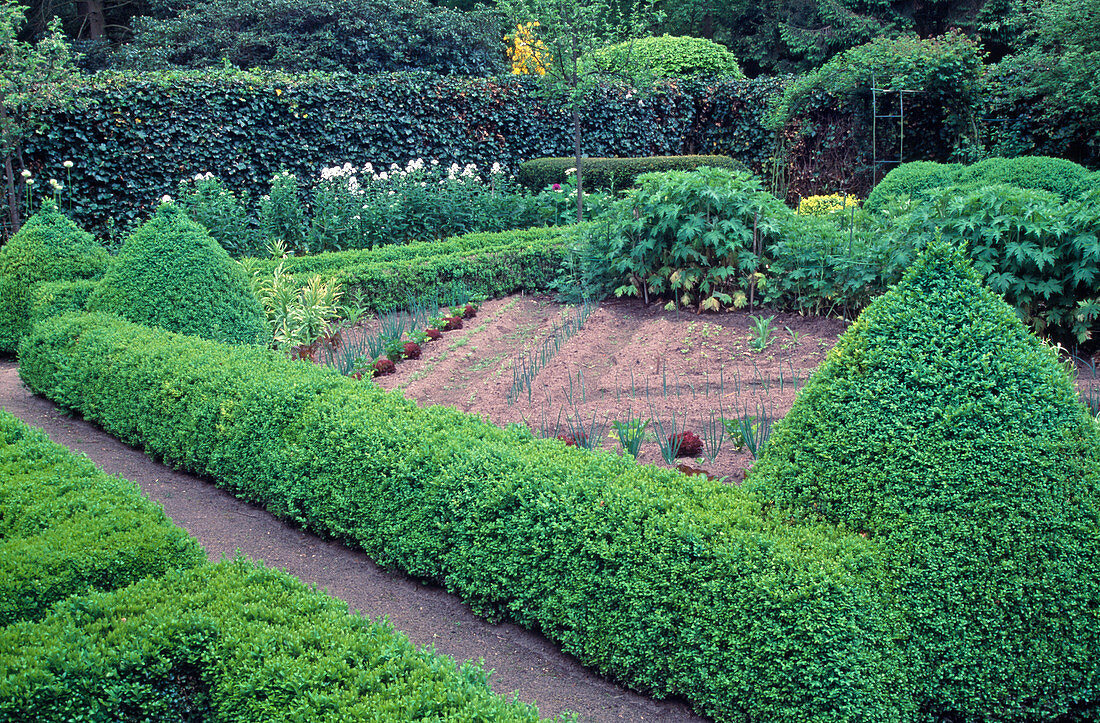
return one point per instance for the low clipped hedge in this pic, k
(233, 641)
(613, 173)
(58, 297)
(66, 528)
(485, 264)
(672, 584)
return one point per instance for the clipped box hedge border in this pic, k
(67, 528)
(485, 264)
(232, 641)
(674, 585)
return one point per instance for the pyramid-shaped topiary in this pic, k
(943, 430)
(48, 247)
(170, 273)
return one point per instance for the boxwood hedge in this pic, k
(674, 585)
(953, 438)
(49, 247)
(171, 273)
(485, 264)
(613, 173)
(233, 641)
(66, 528)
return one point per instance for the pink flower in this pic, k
(556, 187)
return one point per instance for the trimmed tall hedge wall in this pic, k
(66, 528)
(233, 641)
(672, 584)
(133, 138)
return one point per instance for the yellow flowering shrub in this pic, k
(826, 205)
(527, 53)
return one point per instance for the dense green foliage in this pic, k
(912, 179)
(49, 247)
(66, 528)
(217, 209)
(828, 114)
(486, 265)
(354, 36)
(1057, 175)
(170, 273)
(1041, 255)
(55, 298)
(947, 433)
(612, 173)
(695, 236)
(673, 584)
(668, 56)
(233, 641)
(136, 138)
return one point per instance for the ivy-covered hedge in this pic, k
(233, 641)
(66, 528)
(612, 173)
(485, 264)
(672, 584)
(133, 138)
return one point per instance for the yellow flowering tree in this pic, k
(528, 54)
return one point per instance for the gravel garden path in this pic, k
(525, 663)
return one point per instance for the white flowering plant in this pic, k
(207, 200)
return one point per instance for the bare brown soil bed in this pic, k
(675, 371)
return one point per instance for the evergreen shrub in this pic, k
(232, 641)
(170, 273)
(66, 528)
(912, 179)
(613, 173)
(485, 264)
(48, 247)
(672, 584)
(668, 56)
(952, 438)
(1067, 179)
(55, 298)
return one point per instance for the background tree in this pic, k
(570, 30)
(28, 82)
(357, 36)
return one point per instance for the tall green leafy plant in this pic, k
(697, 237)
(1042, 255)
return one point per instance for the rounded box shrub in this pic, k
(1057, 175)
(172, 274)
(669, 55)
(912, 179)
(49, 247)
(947, 434)
(613, 173)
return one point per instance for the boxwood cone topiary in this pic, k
(941, 429)
(172, 274)
(49, 247)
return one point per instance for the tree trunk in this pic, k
(94, 18)
(580, 172)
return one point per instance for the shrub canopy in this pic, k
(941, 428)
(668, 56)
(170, 273)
